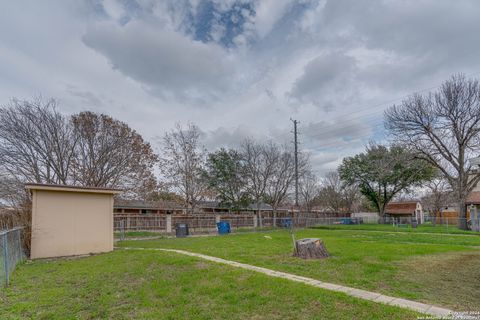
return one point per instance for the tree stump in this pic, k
(310, 248)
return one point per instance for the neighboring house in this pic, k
(473, 199)
(343, 212)
(473, 209)
(216, 207)
(450, 214)
(405, 209)
(447, 214)
(146, 207)
(168, 207)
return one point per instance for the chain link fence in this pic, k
(148, 225)
(389, 223)
(11, 253)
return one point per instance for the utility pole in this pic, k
(295, 141)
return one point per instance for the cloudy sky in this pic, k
(239, 68)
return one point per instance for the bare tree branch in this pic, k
(443, 127)
(182, 162)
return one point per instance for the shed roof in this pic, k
(66, 188)
(407, 207)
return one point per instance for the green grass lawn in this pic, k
(138, 234)
(433, 268)
(426, 227)
(159, 285)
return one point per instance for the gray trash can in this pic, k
(181, 230)
(414, 223)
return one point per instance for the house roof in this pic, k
(159, 205)
(218, 205)
(473, 198)
(407, 207)
(139, 204)
(67, 188)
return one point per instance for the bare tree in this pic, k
(309, 189)
(438, 196)
(351, 197)
(331, 194)
(36, 142)
(336, 195)
(144, 187)
(12, 192)
(109, 153)
(282, 162)
(182, 162)
(444, 129)
(258, 170)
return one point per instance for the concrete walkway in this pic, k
(358, 293)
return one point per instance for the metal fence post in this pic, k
(5, 258)
(122, 229)
(168, 223)
(18, 256)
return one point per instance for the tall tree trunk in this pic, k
(274, 213)
(259, 214)
(462, 214)
(381, 213)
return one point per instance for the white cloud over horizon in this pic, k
(238, 68)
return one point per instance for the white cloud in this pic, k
(114, 9)
(237, 73)
(166, 61)
(324, 80)
(268, 13)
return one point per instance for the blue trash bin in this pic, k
(223, 227)
(287, 223)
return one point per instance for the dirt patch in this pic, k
(202, 265)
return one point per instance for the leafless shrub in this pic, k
(19, 217)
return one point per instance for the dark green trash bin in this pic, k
(181, 230)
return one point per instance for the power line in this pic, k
(372, 111)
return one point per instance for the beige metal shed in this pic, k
(70, 220)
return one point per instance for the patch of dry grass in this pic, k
(452, 279)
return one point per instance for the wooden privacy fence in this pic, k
(204, 223)
(197, 223)
(139, 222)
